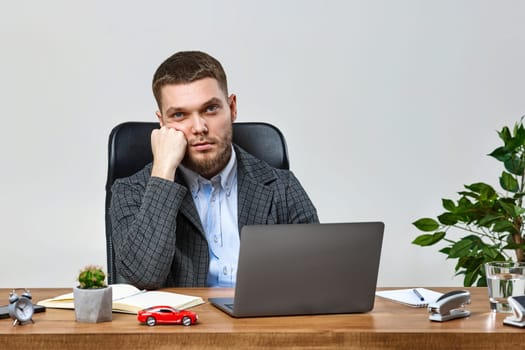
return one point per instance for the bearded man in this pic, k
(176, 222)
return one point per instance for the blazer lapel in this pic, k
(254, 201)
(253, 196)
(188, 208)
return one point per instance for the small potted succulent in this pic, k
(92, 297)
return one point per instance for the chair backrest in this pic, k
(129, 150)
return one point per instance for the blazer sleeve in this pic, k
(143, 218)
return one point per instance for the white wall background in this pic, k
(387, 106)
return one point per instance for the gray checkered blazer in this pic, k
(157, 234)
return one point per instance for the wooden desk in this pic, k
(389, 325)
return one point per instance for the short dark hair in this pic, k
(185, 67)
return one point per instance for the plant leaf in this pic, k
(492, 252)
(482, 281)
(508, 182)
(445, 250)
(518, 195)
(490, 218)
(501, 154)
(485, 191)
(466, 194)
(504, 226)
(515, 165)
(505, 135)
(511, 209)
(426, 224)
(512, 245)
(519, 134)
(461, 248)
(428, 239)
(448, 204)
(514, 142)
(470, 278)
(448, 219)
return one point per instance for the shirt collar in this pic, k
(225, 177)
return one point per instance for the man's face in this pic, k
(205, 115)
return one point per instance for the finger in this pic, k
(170, 129)
(155, 134)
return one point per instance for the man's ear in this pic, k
(232, 101)
(159, 116)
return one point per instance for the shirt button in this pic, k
(225, 270)
(215, 238)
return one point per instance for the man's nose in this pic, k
(199, 124)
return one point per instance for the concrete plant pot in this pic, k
(93, 305)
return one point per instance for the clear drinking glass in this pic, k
(504, 279)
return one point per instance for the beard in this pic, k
(211, 164)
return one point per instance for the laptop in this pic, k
(305, 269)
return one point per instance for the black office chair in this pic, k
(129, 150)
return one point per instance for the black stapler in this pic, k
(449, 306)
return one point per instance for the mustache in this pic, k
(201, 140)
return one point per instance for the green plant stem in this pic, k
(490, 237)
(479, 233)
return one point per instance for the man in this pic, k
(177, 221)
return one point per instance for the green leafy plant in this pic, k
(493, 220)
(91, 277)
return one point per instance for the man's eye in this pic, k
(212, 108)
(177, 115)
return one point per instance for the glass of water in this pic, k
(504, 279)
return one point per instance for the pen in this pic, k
(418, 295)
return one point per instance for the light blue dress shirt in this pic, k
(216, 202)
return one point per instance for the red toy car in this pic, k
(165, 315)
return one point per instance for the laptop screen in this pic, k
(307, 269)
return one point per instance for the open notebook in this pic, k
(129, 299)
(410, 297)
